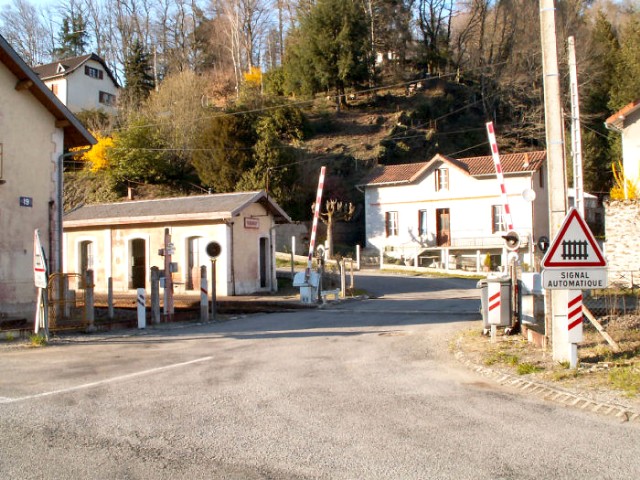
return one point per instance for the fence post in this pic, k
(293, 256)
(204, 295)
(155, 295)
(89, 311)
(111, 313)
(351, 286)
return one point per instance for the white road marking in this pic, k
(103, 382)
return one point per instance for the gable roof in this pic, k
(75, 135)
(512, 164)
(220, 206)
(616, 121)
(66, 66)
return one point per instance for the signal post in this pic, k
(573, 262)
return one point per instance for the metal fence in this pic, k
(66, 295)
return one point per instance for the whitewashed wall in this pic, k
(623, 236)
(631, 147)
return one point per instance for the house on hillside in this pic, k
(123, 241)
(621, 217)
(35, 131)
(81, 83)
(626, 121)
(448, 212)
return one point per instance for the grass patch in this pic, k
(626, 379)
(527, 368)
(560, 375)
(501, 357)
(9, 337)
(37, 340)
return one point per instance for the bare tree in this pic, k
(246, 25)
(26, 29)
(334, 211)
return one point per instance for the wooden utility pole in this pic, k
(556, 315)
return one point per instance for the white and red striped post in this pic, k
(494, 307)
(574, 324)
(503, 191)
(142, 310)
(316, 215)
(204, 295)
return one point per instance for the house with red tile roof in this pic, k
(626, 121)
(81, 83)
(449, 212)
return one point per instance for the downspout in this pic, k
(232, 271)
(59, 210)
(273, 276)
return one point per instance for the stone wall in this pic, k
(623, 237)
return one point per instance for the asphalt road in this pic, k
(365, 390)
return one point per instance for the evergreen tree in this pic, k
(626, 87)
(331, 49)
(138, 73)
(72, 37)
(599, 83)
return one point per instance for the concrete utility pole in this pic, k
(556, 314)
(576, 137)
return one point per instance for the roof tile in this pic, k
(512, 163)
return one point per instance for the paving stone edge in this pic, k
(551, 393)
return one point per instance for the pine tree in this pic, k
(604, 48)
(72, 37)
(138, 75)
(331, 47)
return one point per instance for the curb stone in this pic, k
(553, 394)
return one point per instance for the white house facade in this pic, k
(445, 207)
(81, 83)
(626, 121)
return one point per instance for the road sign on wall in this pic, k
(39, 262)
(574, 260)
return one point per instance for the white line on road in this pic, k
(103, 382)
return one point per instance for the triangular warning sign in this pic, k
(574, 245)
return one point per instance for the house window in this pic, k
(442, 179)
(497, 219)
(107, 98)
(391, 223)
(541, 178)
(422, 223)
(93, 72)
(54, 89)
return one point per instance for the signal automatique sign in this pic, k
(574, 260)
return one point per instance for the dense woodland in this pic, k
(224, 95)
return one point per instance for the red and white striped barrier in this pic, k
(494, 305)
(316, 215)
(496, 160)
(574, 316)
